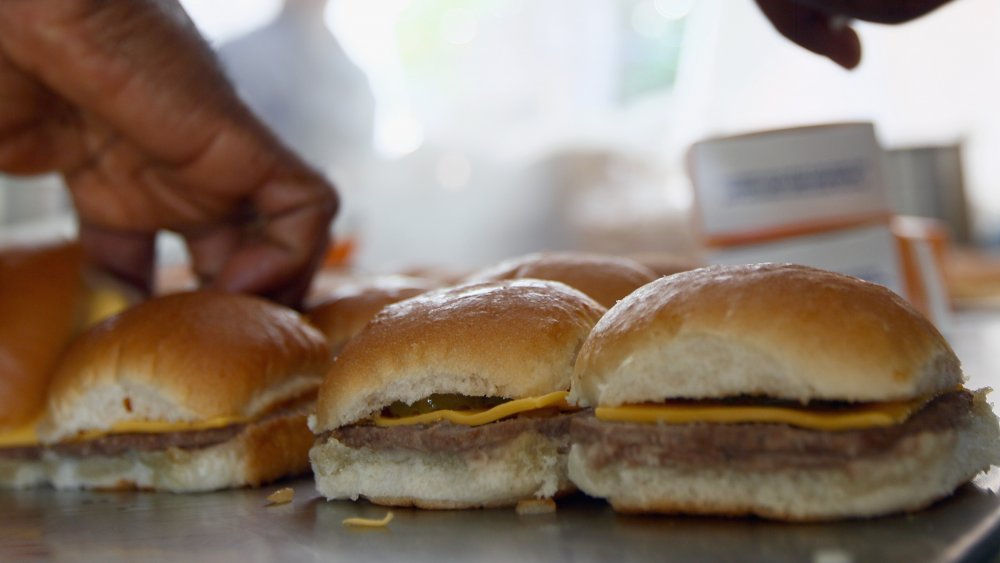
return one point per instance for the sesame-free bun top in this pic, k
(603, 277)
(667, 264)
(42, 297)
(347, 309)
(508, 339)
(182, 358)
(774, 330)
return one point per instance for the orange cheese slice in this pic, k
(19, 436)
(848, 418)
(160, 427)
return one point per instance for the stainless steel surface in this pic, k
(239, 526)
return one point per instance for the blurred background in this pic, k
(464, 131)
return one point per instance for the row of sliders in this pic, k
(774, 390)
(189, 392)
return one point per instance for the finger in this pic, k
(814, 30)
(280, 259)
(210, 251)
(279, 270)
(140, 66)
(31, 125)
(877, 11)
(130, 257)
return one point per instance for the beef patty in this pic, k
(117, 444)
(21, 453)
(756, 446)
(448, 437)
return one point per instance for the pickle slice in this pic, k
(442, 401)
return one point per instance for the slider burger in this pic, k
(46, 297)
(603, 277)
(665, 263)
(187, 392)
(345, 310)
(781, 391)
(454, 398)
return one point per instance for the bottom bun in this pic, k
(265, 451)
(528, 466)
(905, 479)
(21, 473)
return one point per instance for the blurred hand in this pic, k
(821, 25)
(129, 104)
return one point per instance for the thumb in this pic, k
(814, 30)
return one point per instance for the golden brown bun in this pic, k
(41, 304)
(441, 275)
(666, 264)
(347, 309)
(604, 277)
(504, 339)
(184, 357)
(777, 330)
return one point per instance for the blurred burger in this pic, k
(603, 277)
(46, 297)
(454, 398)
(775, 390)
(346, 309)
(187, 392)
(667, 264)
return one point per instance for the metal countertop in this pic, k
(240, 526)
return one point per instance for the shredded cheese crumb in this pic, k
(530, 507)
(369, 522)
(281, 496)
(832, 556)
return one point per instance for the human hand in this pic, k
(128, 103)
(821, 25)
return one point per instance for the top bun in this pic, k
(347, 309)
(603, 277)
(774, 330)
(503, 339)
(181, 358)
(665, 263)
(42, 303)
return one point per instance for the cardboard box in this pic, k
(809, 195)
(814, 196)
(775, 184)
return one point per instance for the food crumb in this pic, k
(530, 507)
(831, 556)
(281, 496)
(369, 522)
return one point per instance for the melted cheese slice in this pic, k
(20, 436)
(159, 427)
(477, 417)
(102, 302)
(856, 417)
